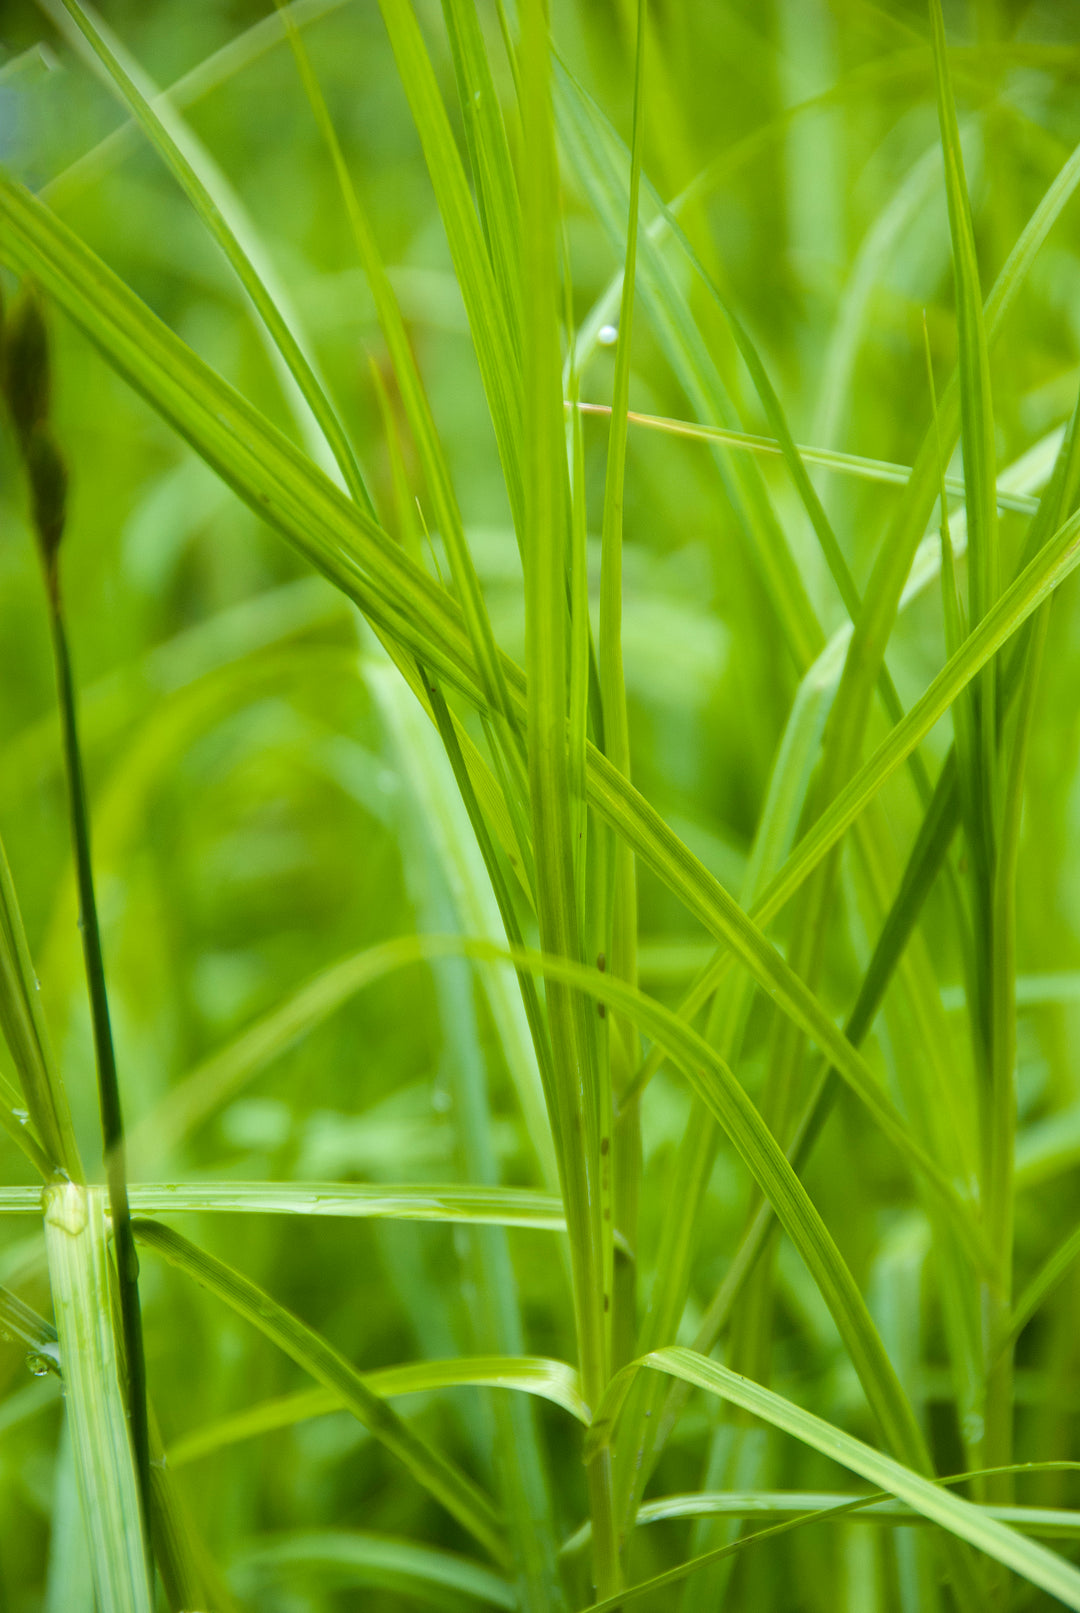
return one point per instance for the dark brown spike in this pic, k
(26, 377)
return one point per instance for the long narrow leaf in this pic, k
(75, 1240)
(960, 1518)
(314, 1354)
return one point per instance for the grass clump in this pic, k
(617, 847)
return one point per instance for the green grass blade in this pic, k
(287, 490)
(425, 1574)
(500, 368)
(18, 1320)
(489, 155)
(533, 1375)
(212, 73)
(960, 1518)
(490, 1206)
(798, 1508)
(75, 1240)
(578, 1107)
(279, 483)
(714, 1083)
(214, 205)
(476, 910)
(415, 401)
(1035, 583)
(108, 1087)
(618, 1184)
(24, 1031)
(1041, 1286)
(601, 164)
(976, 409)
(1048, 1522)
(315, 1355)
(883, 471)
(673, 1576)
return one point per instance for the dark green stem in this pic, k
(112, 1122)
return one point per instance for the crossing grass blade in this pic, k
(482, 1206)
(457, 1493)
(549, 1380)
(414, 398)
(447, 823)
(214, 203)
(215, 70)
(598, 162)
(877, 1507)
(514, 851)
(857, 466)
(959, 1518)
(288, 491)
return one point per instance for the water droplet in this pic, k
(607, 335)
(22, 1116)
(39, 1364)
(37, 983)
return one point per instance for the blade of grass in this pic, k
(811, 1508)
(24, 1030)
(489, 321)
(549, 1380)
(882, 471)
(489, 155)
(315, 1355)
(484, 1205)
(448, 878)
(960, 1518)
(435, 1577)
(415, 401)
(221, 215)
(599, 162)
(1050, 1522)
(309, 512)
(534, 1375)
(109, 1104)
(713, 1081)
(75, 1240)
(620, 1126)
(826, 673)
(578, 1108)
(214, 71)
(476, 912)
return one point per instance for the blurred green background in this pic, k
(254, 820)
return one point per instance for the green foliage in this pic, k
(594, 968)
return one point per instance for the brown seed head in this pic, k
(48, 492)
